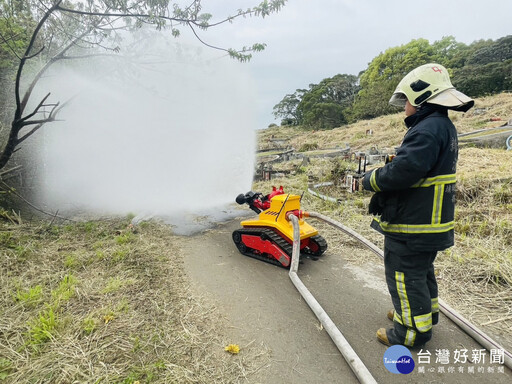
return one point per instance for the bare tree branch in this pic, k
(50, 62)
(19, 104)
(39, 123)
(51, 116)
(205, 43)
(36, 110)
(10, 170)
(30, 133)
(35, 54)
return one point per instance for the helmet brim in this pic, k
(452, 99)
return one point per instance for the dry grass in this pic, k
(105, 302)
(477, 272)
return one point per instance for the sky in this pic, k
(308, 40)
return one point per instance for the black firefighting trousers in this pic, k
(413, 288)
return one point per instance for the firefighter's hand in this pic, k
(376, 205)
(389, 158)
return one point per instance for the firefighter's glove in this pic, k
(376, 205)
(384, 204)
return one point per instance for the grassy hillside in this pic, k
(388, 130)
(475, 276)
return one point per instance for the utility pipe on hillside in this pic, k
(448, 311)
(344, 347)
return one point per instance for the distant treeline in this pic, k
(482, 68)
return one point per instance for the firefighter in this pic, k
(414, 201)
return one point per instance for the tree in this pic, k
(325, 104)
(488, 68)
(481, 68)
(287, 108)
(74, 29)
(450, 52)
(16, 18)
(384, 73)
(15, 22)
(482, 80)
(492, 52)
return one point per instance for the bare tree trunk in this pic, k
(19, 121)
(10, 146)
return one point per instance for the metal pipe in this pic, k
(448, 311)
(344, 347)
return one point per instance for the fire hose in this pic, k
(344, 347)
(355, 363)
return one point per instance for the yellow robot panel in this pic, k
(275, 217)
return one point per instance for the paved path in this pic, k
(266, 311)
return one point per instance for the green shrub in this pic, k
(65, 290)
(43, 328)
(124, 238)
(89, 325)
(5, 368)
(308, 147)
(30, 296)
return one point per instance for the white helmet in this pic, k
(430, 82)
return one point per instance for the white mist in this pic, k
(170, 131)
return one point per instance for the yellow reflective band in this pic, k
(423, 322)
(373, 181)
(404, 301)
(410, 337)
(438, 204)
(435, 225)
(436, 180)
(435, 305)
(397, 318)
(416, 228)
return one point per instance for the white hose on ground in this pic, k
(476, 333)
(344, 347)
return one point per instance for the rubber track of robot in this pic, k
(265, 234)
(322, 247)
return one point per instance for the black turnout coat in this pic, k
(415, 192)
